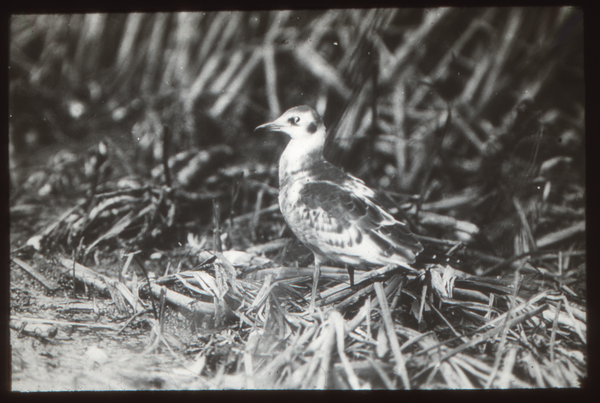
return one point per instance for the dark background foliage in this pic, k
(384, 81)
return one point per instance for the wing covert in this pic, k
(335, 208)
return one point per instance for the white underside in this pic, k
(320, 236)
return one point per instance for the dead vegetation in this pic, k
(145, 208)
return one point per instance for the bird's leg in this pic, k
(316, 275)
(350, 274)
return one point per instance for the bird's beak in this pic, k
(271, 127)
(274, 126)
(267, 126)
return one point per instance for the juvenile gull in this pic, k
(333, 213)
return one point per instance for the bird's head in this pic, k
(300, 123)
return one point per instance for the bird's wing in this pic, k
(347, 207)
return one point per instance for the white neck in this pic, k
(301, 153)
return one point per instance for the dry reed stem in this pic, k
(400, 368)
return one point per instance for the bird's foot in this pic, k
(351, 275)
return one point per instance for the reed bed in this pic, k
(136, 182)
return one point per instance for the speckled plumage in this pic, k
(333, 213)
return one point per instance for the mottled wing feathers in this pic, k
(326, 172)
(342, 204)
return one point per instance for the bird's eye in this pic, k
(294, 119)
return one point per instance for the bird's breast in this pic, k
(295, 212)
(289, 198)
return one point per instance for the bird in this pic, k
(337, 216)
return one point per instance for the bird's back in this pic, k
(340, 219)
